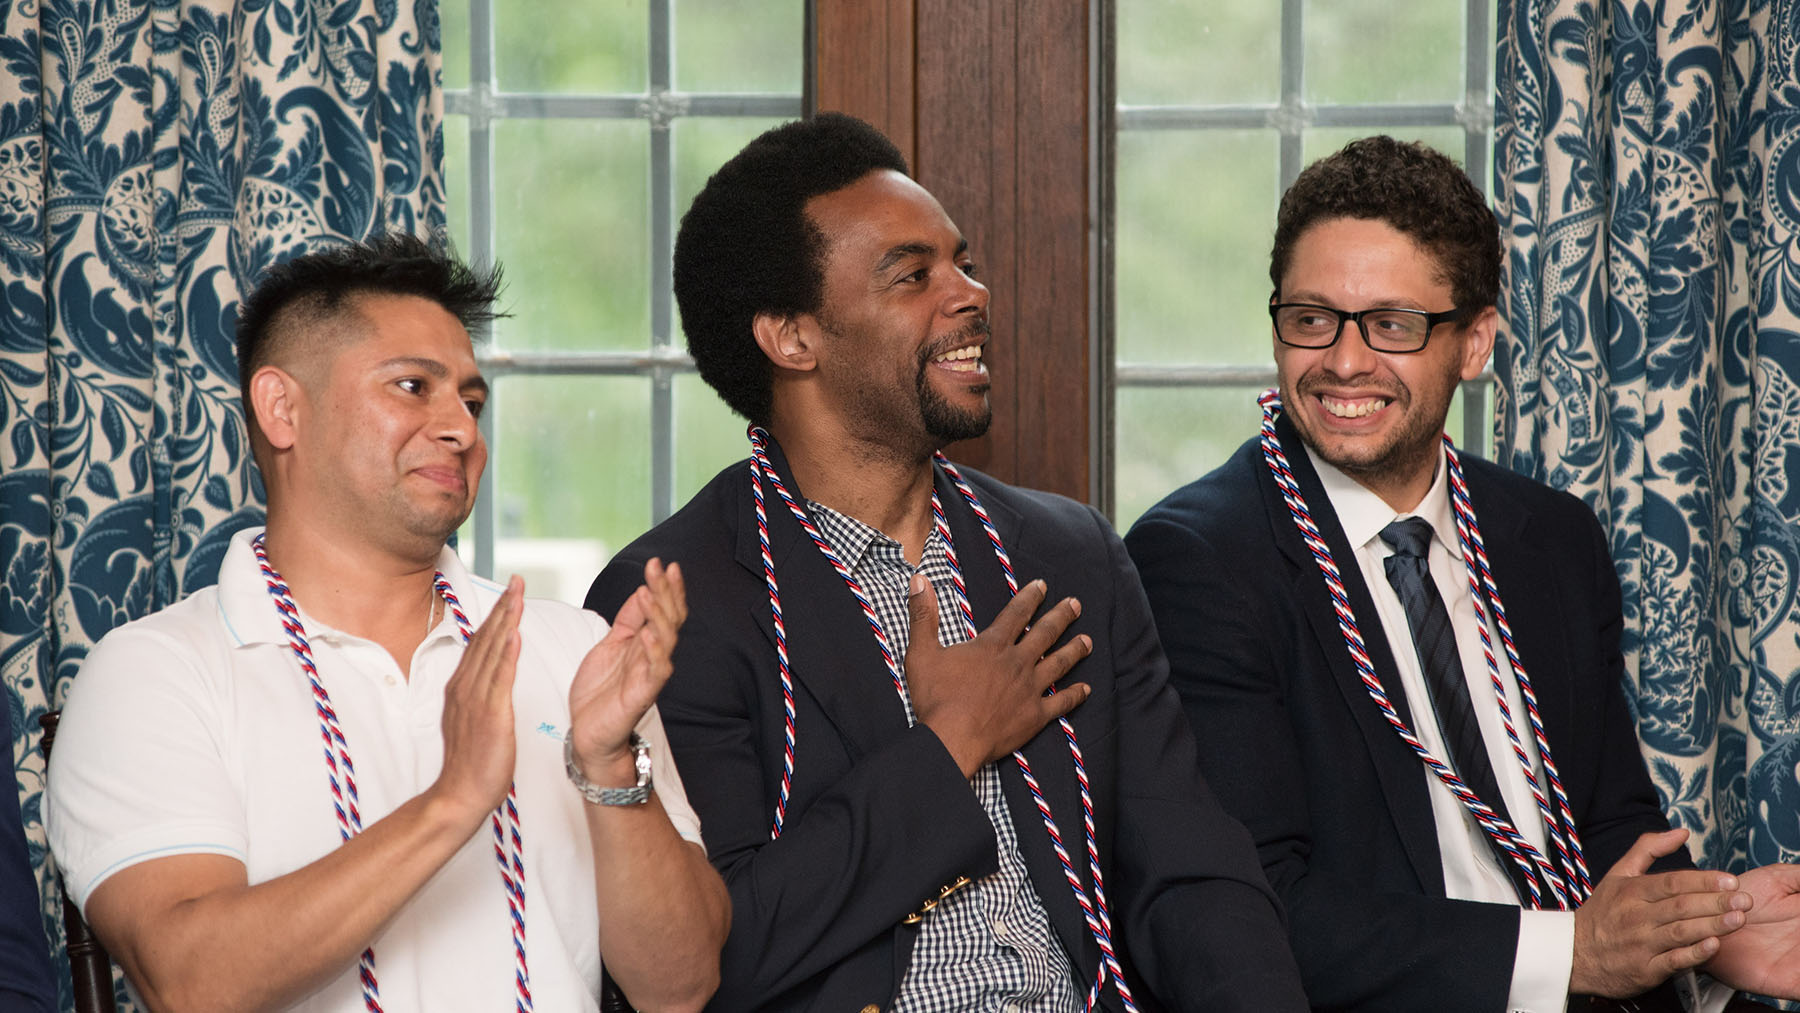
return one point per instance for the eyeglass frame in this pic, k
(1432, 320)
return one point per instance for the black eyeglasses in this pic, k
(1384, 329)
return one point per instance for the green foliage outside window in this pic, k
(572, 225)
(1195, 208)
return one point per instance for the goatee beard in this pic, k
(943, 421)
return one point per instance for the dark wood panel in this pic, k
(863, 64)
(966, 138)
(999, 132)
(1051, 299)
(1003, 142)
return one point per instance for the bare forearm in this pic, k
(664, 911)
(191, 939)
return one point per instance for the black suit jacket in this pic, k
(1295, 748)
(880, 817)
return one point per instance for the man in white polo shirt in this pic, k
(351, 775)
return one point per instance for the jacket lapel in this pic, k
(831, 649)
(1397, 768)
(1536, 620)
(1048, 751)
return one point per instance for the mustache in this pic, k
(964, 335)
(1314, 380)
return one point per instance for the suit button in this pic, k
(871, 1008)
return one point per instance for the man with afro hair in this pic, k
(905, 817)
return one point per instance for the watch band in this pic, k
(637, 794)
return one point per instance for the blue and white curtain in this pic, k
(155, 158)
(1647, 173)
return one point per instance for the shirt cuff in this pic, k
(1543, 962)
(1702, 993)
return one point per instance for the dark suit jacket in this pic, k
(880, 816)
(25, 977)
(1295, 748)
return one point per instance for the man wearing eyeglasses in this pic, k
(1375, 722)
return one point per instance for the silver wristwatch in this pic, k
(637, 794)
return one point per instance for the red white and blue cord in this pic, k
(1561, 826)
(509, 847)
(1094, 911)
(1567, 877)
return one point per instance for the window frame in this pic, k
(485, 104)
(1035, 85)
(1290, 117)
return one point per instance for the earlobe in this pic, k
(1480, 343)
(786, 340)
(273, 397)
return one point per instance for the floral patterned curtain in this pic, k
(1647, 171)
(155, 158)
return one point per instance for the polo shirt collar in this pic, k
(250, 617)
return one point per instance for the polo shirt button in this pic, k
(390, 680)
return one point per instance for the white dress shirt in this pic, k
(1546, 950)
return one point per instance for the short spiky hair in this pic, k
(746, 245)
(1418, 191)
(316, 287)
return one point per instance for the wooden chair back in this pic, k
(89, 965)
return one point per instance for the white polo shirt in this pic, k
(192, 731)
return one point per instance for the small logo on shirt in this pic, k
(546, 728)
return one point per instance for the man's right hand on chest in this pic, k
(985, 697)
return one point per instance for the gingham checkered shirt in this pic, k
(988, 946)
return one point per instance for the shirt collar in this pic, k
(1363, 514)
(858, 544)
(250, 617)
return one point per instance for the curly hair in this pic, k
(1418, 191)
(746, 246)
(312, 291)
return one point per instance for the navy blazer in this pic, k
(880, 817)
(1295, 748)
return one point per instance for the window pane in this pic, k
(702, 144)
(1177, 52)
(739, 45)
(456, 181)
(571, 462)
(1195, 213)
(1319, 143)
(1169, 436)
(1379, 51)
(572, 226)
(708, 436)
(453, 30)
(551, 45)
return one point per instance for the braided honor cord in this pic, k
(1095, 911)
(1474, 552)
(1567, 893)
(509, 849)
(1098, 915)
